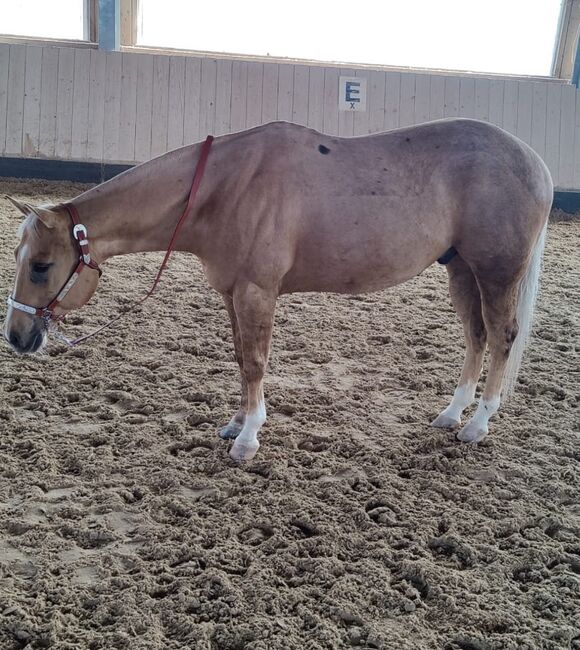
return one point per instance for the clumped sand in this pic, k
(124, 524)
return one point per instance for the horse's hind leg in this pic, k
(467, 302)
(236, 424)
(254, 308)
(499, 305)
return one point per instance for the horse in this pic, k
(282, 209)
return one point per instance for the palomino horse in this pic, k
(283, 209)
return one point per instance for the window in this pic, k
(64, 19)
(502, 36)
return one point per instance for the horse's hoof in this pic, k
(242, 452)
(230, 431)
(443, 421)
(472, 432)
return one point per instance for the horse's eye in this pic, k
(39, 271)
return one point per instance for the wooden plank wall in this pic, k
(81, 104)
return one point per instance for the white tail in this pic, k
(527, 295)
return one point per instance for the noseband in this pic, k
(80, 235)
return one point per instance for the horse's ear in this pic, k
(48, 216)
(23, 207)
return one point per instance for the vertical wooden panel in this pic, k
(451, 108)
(31, 118)
(239, 95)
(392, 100)
(422, 98)
(4, 62)
(144, 108)
(567, 129)
(113, 71)
(346, 118)
(496, 102)
(361, 118)
(539, 100)
(437, 97)
(510, 106)
(160, 105)
(223, 100)
(316, 98)
(64, 102)
(552, 155)
(481, 109)
(80, 108)
(192, 100)
(128, 111)
(524, 124)
(254, 98)
(48, 85)
(96, 106)
(330, 102)
(466, 97)
(576, 179)
(285, 92)
(376, 105)
(407, 104)
(15, 103)
(207, 100)
(300, 98)
(176, 102)
(270, 93)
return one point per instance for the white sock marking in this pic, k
(248, 436)
(485, 409)
(462, 398)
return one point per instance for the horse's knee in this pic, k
(254, 370)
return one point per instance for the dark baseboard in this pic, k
(567, 201)
(59, 170)
(90, 172)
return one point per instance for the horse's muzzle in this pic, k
(26, 343)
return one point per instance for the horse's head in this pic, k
(51, 276)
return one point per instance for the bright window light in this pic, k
(43, 18)
(502, 36)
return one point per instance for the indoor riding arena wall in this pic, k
(78, 103)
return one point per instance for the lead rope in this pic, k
(52, 327)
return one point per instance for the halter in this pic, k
(80, 235)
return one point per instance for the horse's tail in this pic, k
(527, 294)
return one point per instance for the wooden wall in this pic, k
(85, 104)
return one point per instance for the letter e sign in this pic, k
(352, 94)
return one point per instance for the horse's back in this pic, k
(361, 213)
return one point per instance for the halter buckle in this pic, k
(81, 235)
(80, 228)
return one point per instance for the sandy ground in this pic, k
(124, 524)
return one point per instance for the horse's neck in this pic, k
(137, 211)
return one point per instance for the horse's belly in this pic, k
(353, 274)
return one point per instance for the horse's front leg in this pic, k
(254, 310)
(233, 428)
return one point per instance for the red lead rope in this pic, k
(192, 194)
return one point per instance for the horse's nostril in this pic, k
(14, 339)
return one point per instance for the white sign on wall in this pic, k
(352, 94)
